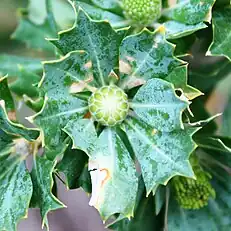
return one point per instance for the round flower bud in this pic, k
(109, 105)
(142, 12)
(194, 194)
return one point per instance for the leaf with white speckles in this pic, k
(221, 33)
(191, 12)
(157, 104)
(161, 155)
(15, 190)
(114, 181)
(98, 39)
(61, 105)
(144, 56)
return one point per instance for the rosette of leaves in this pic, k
(180, 19)
(115, 97)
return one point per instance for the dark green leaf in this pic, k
(43, 183)
(98, 39)
(221, 33)
(15, 190)
(9, 65)
(191, 12)
(13, 128)
(144, 56)
(161, 155)
(5, 94)
(25, 83)
(73, 166)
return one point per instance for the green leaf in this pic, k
(83, 134)
(144, 56)
(157, 104)
(221, 33)
(13, 128)
(178, 77)
(43, 183)
(5, 94)
(191, 12)
(214, 143)
(5, 140)
(98, 39)
(144, 218)
(25, 84)
(176, 29)
(73, 166)
(60, 105)
(15, 190)
(114, 181)
(161, 155)
(214, 217)
(226, 119)
(34, 35)
(160, 197)
(9, 65)
(100, 14)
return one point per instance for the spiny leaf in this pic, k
(100, 14)
(73, 166)
(221, 33)
(13, 128)
(178, 77)
(144, 56)
(42, 183)
(176, 29)
(9, 64)
(61, 106)
(114, 181)
(191, 12)
(25, 83)
(161, 155)
(34, 35)
(98, 39)
(144, 218)
(15, 190)
(157, 104)
(5, 94)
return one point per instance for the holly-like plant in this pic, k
(113, 111)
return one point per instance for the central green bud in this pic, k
(109, 105)
(142, 12)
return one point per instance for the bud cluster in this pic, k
(109, 105)
(142, 12)
(194, 194)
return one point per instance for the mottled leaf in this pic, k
(161, 155)
(176, 29)
(144, 218)
(191, 12)
(83, 134)
(100, 14)
(144, 56)
(157, 104)
(60, 77)
(178, 77)
(9, 64)
(43, 183)
(98, 39)
(14, 128)
(114, 181)
(221, 33)
(15, 190)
